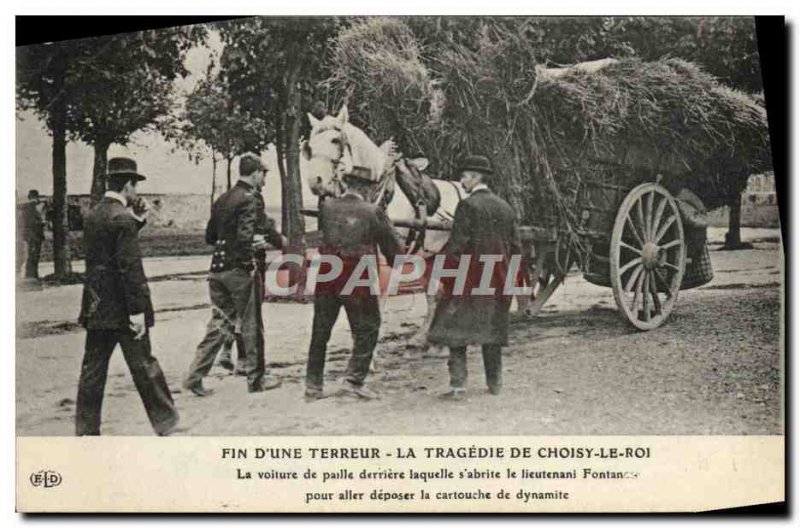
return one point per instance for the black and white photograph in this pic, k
(301, 226)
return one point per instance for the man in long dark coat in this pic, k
(116, 306)
(352, 229)
(484, 225)
(238, 228)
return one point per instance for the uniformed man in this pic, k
(116, 306)
(239, 228)
(484, 224)
(32, 227)
(352, 228)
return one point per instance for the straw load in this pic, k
(548, 131)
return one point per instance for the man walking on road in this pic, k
(484, 225)
(116, 306)
(352, 228)
(239, 230)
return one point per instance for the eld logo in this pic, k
(45, 478)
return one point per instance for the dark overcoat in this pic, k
(236, 217)
(115, 286)
(484, 224)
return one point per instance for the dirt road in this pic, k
(714, 368)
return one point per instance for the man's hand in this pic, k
(137, 325)
(140, 209)
(259, 242)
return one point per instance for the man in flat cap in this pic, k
(484, 225)
(116, 306)
(239, 230)
(352, 228)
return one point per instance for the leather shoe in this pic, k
(348, 389)
(198, 390)
(267, 383)
(454, 395)
(316, 394)
(172, 428)
(494, 390)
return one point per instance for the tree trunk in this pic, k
(293, 199)
(733, 238)
(295, 229)
(280, 153)
(61, 253)
(230, 160)
(213, 177)
(99, 171)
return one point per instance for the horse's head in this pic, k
(328, 152)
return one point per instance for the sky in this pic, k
(168, 171)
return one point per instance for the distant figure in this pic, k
(32, 222)
(116, 306)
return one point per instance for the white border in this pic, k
(310, 7)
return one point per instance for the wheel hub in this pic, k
(651, 255)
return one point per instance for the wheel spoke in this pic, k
(629, 265)
(649, 229)
(636, 291)
(663, 282)
(654, 291)
(645, 295)
(659, 214)
(630, 248)
(632, 278)
(670, 244)
(663, 230)
(640, 214)
(635, 231)
(671, 266)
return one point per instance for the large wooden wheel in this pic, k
(648, 256)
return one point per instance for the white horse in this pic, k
(334, 146)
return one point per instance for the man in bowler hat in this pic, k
(484, 224)
(116, 306)
(239, 230)
(352, 228)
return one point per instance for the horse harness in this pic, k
(417, 186)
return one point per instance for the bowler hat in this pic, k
(123, 167)
(476, 163)
(360, 173)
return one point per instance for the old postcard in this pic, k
(400, 264)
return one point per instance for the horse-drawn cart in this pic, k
(634, 243)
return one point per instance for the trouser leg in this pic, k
(326, 310)
(92, 383)
(21, 253)
(252, 331)
(457, 365)
(364, 315)
(32, 263)
(493, 365)
(149, 380)
(220, 328)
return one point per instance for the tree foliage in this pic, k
(272, 67)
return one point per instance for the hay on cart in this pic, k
(549, 131)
